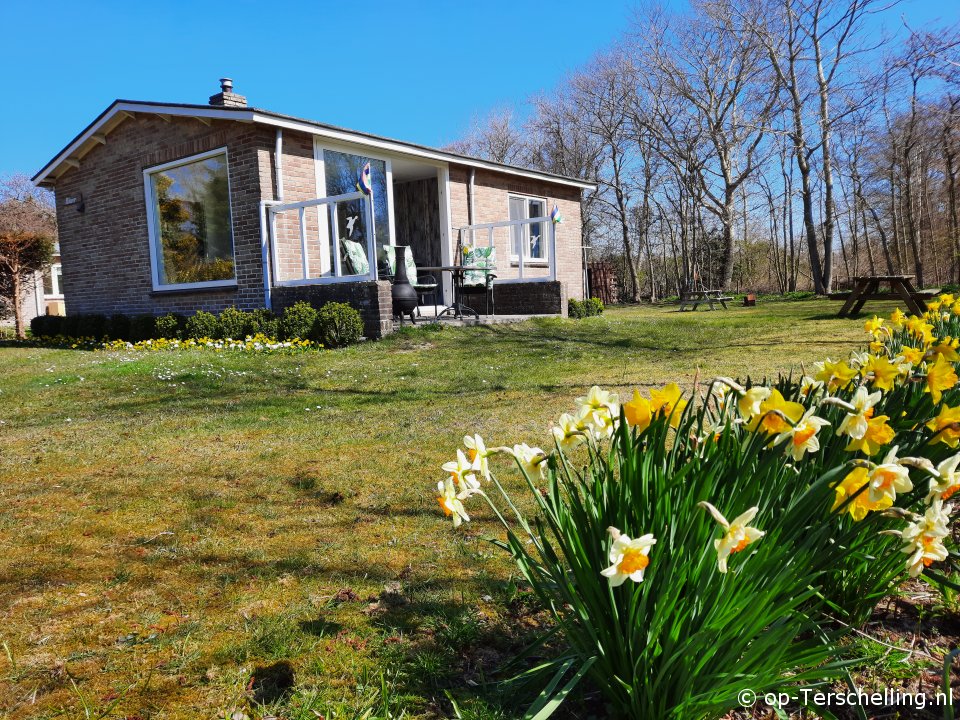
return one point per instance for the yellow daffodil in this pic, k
(737, 535)
(849, 487)
(803, 435)
(854, 423)
(531, 459)
(749, 402)
(947, 480)
(568, 432)
(638, 412)
(946, 299)
(946, 426)
(932, 307)
(882, 373)
(463, 472)
(874, 325)
(777, 415)
(878, 434)
(452, 502)
(955, 309)
(920, 329)
(911, 355)
(877, 346)
(836, 375)
(628, 558)
(940, 376)
(477, 454)
(669, 402)
(924, 538)
(946, 348)
(888, 478)
(897, 319)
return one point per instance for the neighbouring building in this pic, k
(165, 207)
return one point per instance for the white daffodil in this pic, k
(628, 558)
(569, 432)
(477, 454)
(452, 502)
(855, 423)
(924, 538)
(737, 534)
(888, 478)
(749, 402)
(947, 481)
(531, 459)
(803, 435)
(463, 471)
(599, 408)
(809, 386)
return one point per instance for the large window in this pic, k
(528, 238)
(341, 172)
(190, 226)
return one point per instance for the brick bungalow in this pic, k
(165, 207)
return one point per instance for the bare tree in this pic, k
(27, 232)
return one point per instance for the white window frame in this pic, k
(57, 291)
(153, 224)
(544, 243)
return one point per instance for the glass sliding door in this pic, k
(341, 171)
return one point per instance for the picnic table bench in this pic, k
(867, 288)
(699, 297)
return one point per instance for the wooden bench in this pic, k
(699, 297)
(867, 288)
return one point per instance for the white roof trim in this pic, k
(255, 116)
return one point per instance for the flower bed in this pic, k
(837, 484)
(252, 343)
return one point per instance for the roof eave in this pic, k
(275, 120)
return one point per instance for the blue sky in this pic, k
(418, 71)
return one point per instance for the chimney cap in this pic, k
(226, 85)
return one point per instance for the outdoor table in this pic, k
(867, 288)
(698, 297)
(457, 273)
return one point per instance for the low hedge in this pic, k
(584, 308)
(334, 325)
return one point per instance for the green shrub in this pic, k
(234, 323)
(202, 325)
(575, 309)
(142, 327)
(119, 327)
(338, 324)
(263, 321)
(594, 306)
(169, 326)
(298, 321)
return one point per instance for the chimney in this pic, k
(227, 97)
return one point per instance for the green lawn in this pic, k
(172, 523)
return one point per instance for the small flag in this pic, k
(363, 180)
(555, 215)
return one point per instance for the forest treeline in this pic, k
(772, 145)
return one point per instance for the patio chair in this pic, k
(424, 284)
(486, 258)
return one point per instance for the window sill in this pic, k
(529, 263)
(194, 290)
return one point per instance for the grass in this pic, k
(188, 534)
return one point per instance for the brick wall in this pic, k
(531, 298)
(491, 204)
(371, 298)
(105, 250)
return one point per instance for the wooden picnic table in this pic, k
(699, 297)
(867, 288)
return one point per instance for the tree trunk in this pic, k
(19, 325)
